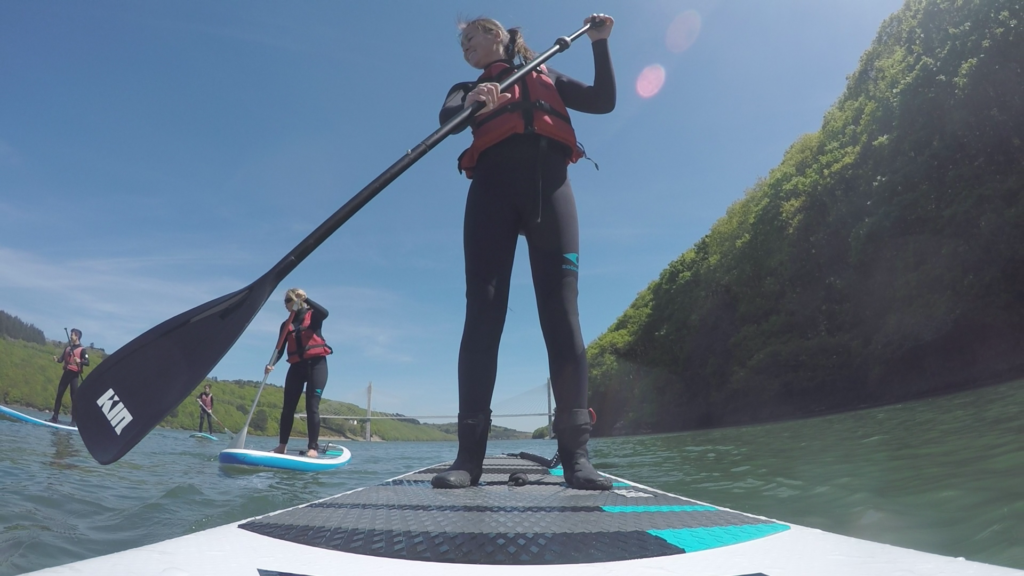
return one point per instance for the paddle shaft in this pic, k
(239, 440)
(336, 220)
(68, 334)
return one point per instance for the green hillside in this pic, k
(233, 399)
(882, 260)
(29, 377)
(497, 432)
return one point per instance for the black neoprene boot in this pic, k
(469, 463)
(572, 427)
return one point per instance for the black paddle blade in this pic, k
(137, 386)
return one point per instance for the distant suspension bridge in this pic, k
(515, 405)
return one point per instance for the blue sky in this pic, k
(156, 155)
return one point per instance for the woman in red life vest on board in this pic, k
(205, 399)
(307, 365)
(523, 141)
(74, 359)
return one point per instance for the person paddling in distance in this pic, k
(307, 359)
(523, 141)
(205, 408)
(74, 358)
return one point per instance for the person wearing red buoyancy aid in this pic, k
(205, 408)
(307, 359)
(523, 142)
(74, 358)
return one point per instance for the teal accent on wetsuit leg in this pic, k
(696, 539)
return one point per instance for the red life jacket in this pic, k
(73, 352)
(535, 107)
(304, 343)
(206, 400)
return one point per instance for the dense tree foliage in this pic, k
(882, 260)
(13, 327)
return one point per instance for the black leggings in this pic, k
(68, 379)
(203, 414)
(313, 374)
(518, 188)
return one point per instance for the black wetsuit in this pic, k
(311, 372)
(69, 379)
(521, 186)
(203, 414)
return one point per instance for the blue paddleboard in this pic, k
(26, 418)
(202, 435)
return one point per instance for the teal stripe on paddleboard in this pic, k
(696, 539)
(658, 508)
(558, 471)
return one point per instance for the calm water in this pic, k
(942, 475)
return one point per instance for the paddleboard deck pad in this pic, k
(30, 420)
(338, 456)
(541, 522)
(404, 525)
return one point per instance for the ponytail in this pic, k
(517, 47)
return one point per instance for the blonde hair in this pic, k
(511, 39)
(294, 294)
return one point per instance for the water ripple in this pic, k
(941, 475)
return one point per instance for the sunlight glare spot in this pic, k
(683, 31)
(650, 81)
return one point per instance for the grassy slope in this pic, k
(29, 376)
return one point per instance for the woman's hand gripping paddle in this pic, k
(137, 386)
(238, 442)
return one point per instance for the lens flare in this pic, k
(683, 31)
(650, 81)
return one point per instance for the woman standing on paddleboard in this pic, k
(74, 358)
(307, 359)
(205, 399)
(523, 142)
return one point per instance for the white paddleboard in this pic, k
(403, 526)
(338, 456)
